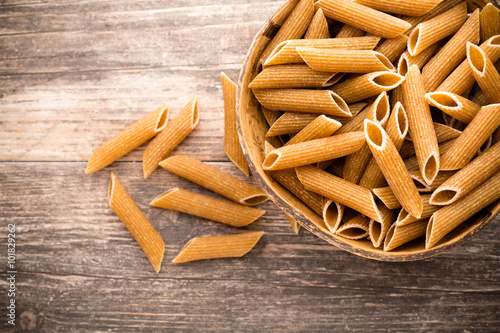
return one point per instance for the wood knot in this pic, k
(27, 321)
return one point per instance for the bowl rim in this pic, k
(268, 30)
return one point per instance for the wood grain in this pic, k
(72, 74)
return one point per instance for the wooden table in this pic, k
(73, 73)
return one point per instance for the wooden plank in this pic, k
(94, 275)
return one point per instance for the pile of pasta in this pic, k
(166, 136)
(390, 129)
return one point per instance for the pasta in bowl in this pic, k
(347, 116)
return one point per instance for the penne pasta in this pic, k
(412, 162)
(377, 111)
(271, 116)
(318, 28)
(332, 215)
(355, 228)
(136, 222)
(335, 167)
(286, 52)
(356, 163)
(378, 230)
(421, 125)
(294, 27)
(451, 54)
(364, 18)
(348, 31)
(462, 79)
(454, 105)
(406, 60)
(468, 178)
(405, 218)
(339, 190)
(485, 73)
(128, 139)
(392, 48)
(449, 217)
(386, 195)
(344, 61)
(480, 98)
(490, 22)
(399, 235)
(397, 129)
(393, 168)
(313, 151)
(293, 76)
(477, 132)
(404, 7)
(206, 207)
(444, 133)
(215, 180)
(367, 85)
(293, 223)
(282, 14)
(291, 122)
(232, 145)
(303, 100)
(170, 137)
(435, 29)
(442, 7)
(320, 127)
(215, 247)
(422, 186)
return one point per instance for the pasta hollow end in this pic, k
(387, 80)
(162, 119)
(431, 168)
(443, 196)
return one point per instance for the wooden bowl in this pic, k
(252, 128)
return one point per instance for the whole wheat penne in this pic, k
(367, 85)
(293, 76)
(320, 127)
(303, 100)
(421, 125)
(443, 133)
(355, 109)
(386, 195)
(378, 230)
(423, 187)
(348, 31)
(397, 96)
(294, 27)
(451, 54)
(404, 7)
(399, 235)
(355, 163)
(442, 7)
(397, 129)
(480, 98)
(282, 14)
(339, 190)
(318, 28)
(449, 217)
(313, 151)
(344, 61)
(486, 145)
(128, 139)
(490, 22)
(432, 31)
(291, 122)
(271, 116)
(232, 145)
(475, 134)
(392, 48)
(293, 223)
(454, 105)
(468, 178)
(214, 247)
(412, 162)
(462, 79)
(286, 52)
(170, 137)
(377, 111)
(215, 180)
(405, 218)
(136, 222)
(362, 17)
(484, 72)
(355, 228)
(393, 168)
(332, 215)
(335, 167)
(206, 207)
(406, 60)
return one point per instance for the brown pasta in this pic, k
(136, 222)
(404, 7)
(215, 247)
(392, 48)
(170, 137)
(454, 105)
(399, 235)
(291, 122)
(292, 76)
(303, 100)
(406, 60)
(332, 215)
(378, 230)
(318, 28)
(128, 139)
(293, 223)
(339, 190)
(206, 207)
(490, 21)
(320, 127)
(484, 72)
(214, 179)
(405, 218)
(355, 228)
(477, 132)
(362, 17)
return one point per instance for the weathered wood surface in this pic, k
(74, 72)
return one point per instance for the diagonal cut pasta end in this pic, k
(414, 41)
(355, 228)
(332, 215)
(162, 120)
(386, 80)
(384, 61)
(431, 168)
(339, 103)
(444, 196)
(476, 58)
(271, 159)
